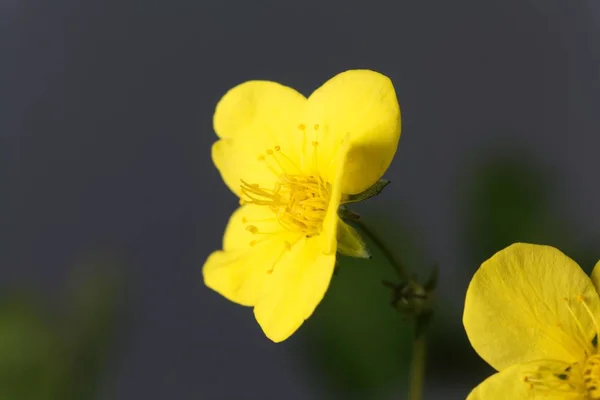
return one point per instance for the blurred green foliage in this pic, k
(47, 353)
(513, 198)
(27, 350)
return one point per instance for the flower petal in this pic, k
(300, 281)
(258, 110)
(251, 119)
(331, 221)
(529, 302)
(363, 105)
(510, 384)
(239, 271)
(596, 276)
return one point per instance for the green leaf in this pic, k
(373, 191)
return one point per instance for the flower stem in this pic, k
(417, 369)
(398, 266)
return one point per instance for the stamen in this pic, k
(299, 203)
(287, 246)
(255, 231)
(315, 145)
(591, 376)
(551, 380)
(254, 242)
(581, 337)
(277, 161)
(274, 171)
(580, 380)
(590, 313)
(287, 159)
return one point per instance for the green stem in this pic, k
(417, 369)
(398, 266)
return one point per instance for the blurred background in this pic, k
(110, 203)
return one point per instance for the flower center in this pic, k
(579, 380)
(591, 376)
(552, 380)
(299, 202)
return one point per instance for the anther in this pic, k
(316, 127)
(315, 143)
(302, 127)
(244, 220)
(270, 152)
(299, 203)
(277, 148)
(261, 157)
(252, 243)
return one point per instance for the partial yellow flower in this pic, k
(292, 161)
(532, 314)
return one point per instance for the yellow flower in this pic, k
(292, 161)
(532, 314)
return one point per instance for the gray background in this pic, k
(106, 127)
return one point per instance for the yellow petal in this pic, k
(363, 105)
(300, 281)
(239, 271)
(510, 384)
(349, 242)
(596, 276)
(517, 307)
(258, 110)
(251, 119)
(331, 221)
